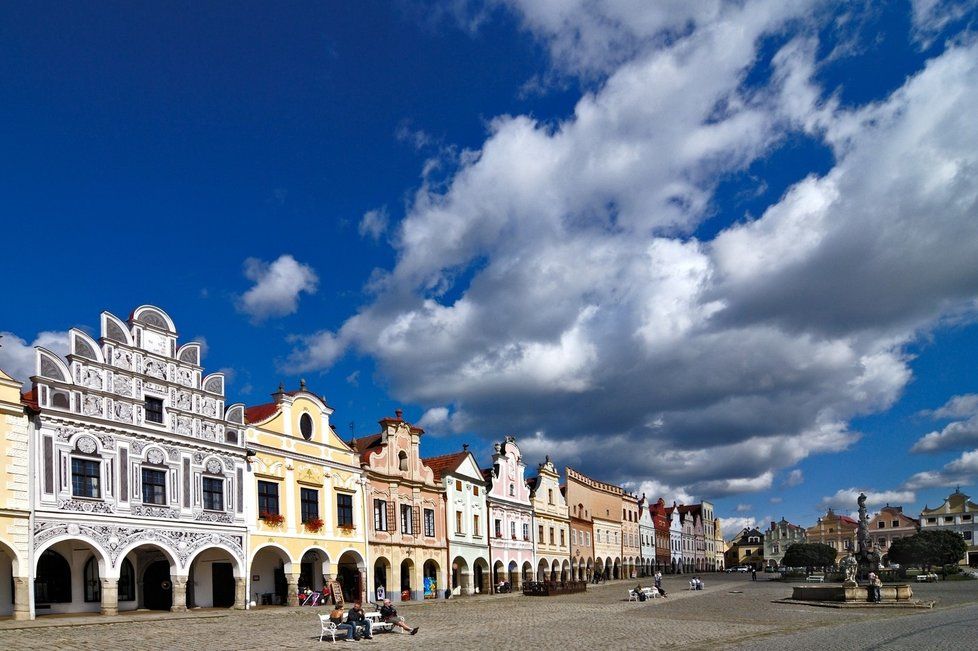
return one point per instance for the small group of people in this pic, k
(357, 619)
(696, 583)
(875, 588)
(640, 591)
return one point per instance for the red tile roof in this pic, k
(366, 445)
(259, 413)
(30, 400)
(445, 463)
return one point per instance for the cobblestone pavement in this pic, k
(730, 611)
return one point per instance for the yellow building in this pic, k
(552, 542)
(14, 503)
(306, 512)
(718, 545)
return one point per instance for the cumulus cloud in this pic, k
(931, 16)
(733, 526)
(963, 470)
(374, 223)
(844, 499)
(794, 478)
(743, 508)
(955, 435)
(277, 287)
(17, 356)
(549, 286)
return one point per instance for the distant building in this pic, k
(719, 547)
(777, 539)
(646, 536)
(15, 536)
(552, 547)
(511, 515)
(604, 503)
(956, 514)
(836, 531)
(889, 525)
(631, 547)
(663, 544)
(747, 548)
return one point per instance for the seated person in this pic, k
(699, 583)
(388, 613)
(356, 617)
(336, 616)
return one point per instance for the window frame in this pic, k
(206, 495)
(407, 517)
(147, 400)
(97, 477)
(344, 512)
(428, 522)
(159, 474)
(380, 509)
(306, 504)
(266, 497)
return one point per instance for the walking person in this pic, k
(753, 574)
(658, 579)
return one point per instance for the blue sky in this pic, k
(707, 250)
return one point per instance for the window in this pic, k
(154, 486)
(966, 517)
(93, 587)
(895, 523)
(267, 498)
(429, 523)
(476, 531)
(550, 495)
(52, 582)
(308, 503)
(380, 515)
(526, 531)
(587, 538)
(213, 494)
(85, 478)
(512, 530)
(154, 410)
(406, 519)
(305, 426)
(475, 490)
(498, 528)
(931, 520)
(512, 490)
(574, 537)
(540, 533)
(402, 463)
(881, 525)
(344, 510)
(948, 518)
(458, 523)
(552, 536)
(967, 535)
(127, 582)
(458, 485)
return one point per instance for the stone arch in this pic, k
(383, 577)
(430, 570)
(351, 570)
(543, 568)
(616, 572)
(407, 579)
(565, 571)
(16, 563)
(482, 583)
(555, 570)
(498, 574)
(461, 581)
(277, 575)
(168, 552)
(215, 578)
(104, 565)
(527, 574)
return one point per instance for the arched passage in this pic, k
(407, 579)
(68, 578)
(215, 581)
(555, 571)
(527, 573)
(480, 576)
(617, 568)
(313, 567)
(382, 578)
(542, 570)
(565, 572)
(499, 575)
(351, 572)
(598, 570)
(430, 578)
(156, 575)
(271, 567)
(13, 585)
(514, 575)
(461, 577)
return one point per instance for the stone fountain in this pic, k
(855, 567)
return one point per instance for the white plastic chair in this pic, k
(632, 596)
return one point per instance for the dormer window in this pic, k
(402, 461)
(154, 410)
(305, 426)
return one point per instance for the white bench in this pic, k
(926, 578)
(815, 578)
(651, 593)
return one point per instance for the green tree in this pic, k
(928, 548)
(809, 555)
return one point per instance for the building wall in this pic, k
(603, 505)
(647, 536)
(413, 487)
(778, 537)
(550, 516)
(466, 494)
(322, 463)
(508, 498)
(631, 544)
(15, 553)
(956, 514)
(839, 532)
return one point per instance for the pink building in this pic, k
(510, 516)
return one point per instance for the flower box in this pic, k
(272, 519)
(314, 525)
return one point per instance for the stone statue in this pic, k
(862, 535)
(850, 566)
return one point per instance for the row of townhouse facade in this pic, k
(129, 483)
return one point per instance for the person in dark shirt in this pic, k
(357, 618)
(388, 613)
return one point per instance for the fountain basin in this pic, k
(890, 593)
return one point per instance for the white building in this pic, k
(675, 539)
(956, 514)
(468, 520)
(139, 474)
(646, 533)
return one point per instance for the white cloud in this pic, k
(844, 499)
(277, 287)
(353, 379)
(17, 356)
(963, 470)
(794, 478)
(776, 500)
(204, 347)
(374, 223)
(932, 16)
(954, 435)
(549, 285)
(743, 508)
(733, 526)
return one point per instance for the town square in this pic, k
(493, 323)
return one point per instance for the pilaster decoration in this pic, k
(155, 369)
(115, 539)
(148, 511)
(65, 433)
(86, 507)
(92, 406)
(199, 457)
(173, 453)
(122, 359)
(137, 447)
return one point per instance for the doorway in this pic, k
(222, 582)
(157, 587)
